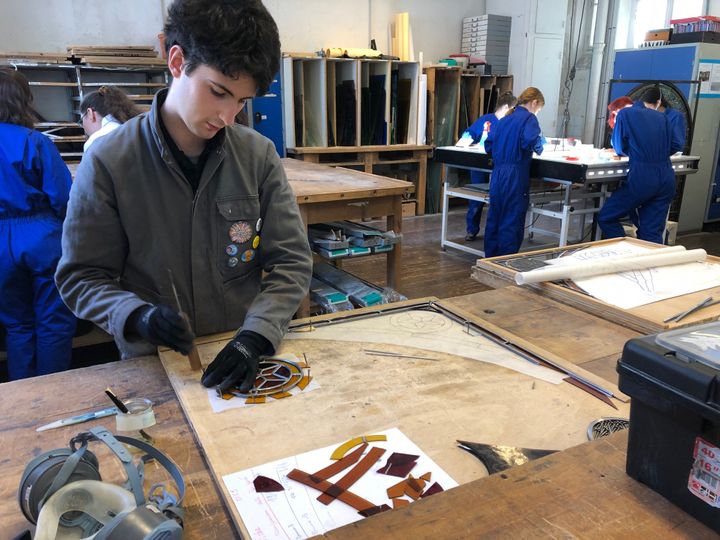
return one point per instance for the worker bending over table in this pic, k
(477, 133)
(183, 188)
(645, 136)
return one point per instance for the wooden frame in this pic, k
(647, 319)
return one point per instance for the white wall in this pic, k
(52, 25)
(436, 27)
(519, 10)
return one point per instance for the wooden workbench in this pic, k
(583, 490)
(30, 403)
(370, 157)
(325, 193)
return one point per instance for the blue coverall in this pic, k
(677, 123)
(645, 136)
(511, 144)
(475, 208)
(34, 192)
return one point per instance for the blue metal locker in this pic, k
(266, 115)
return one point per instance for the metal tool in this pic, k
(79, 418)
(680, 316)
(193, 355)
(372, 352)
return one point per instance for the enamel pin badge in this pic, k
(240, 232)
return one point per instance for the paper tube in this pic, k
(611, 265)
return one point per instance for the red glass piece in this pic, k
(263, 484)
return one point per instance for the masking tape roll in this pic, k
(140, 415)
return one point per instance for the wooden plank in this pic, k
(104, 47)
(647, 319)
(583, 339)
(124, 60)
(53, 84)
(29, 403)
(433, 403)
(582, 492)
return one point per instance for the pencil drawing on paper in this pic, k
(425, 322)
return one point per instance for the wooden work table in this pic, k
(582, 492)
(370, 157)
(30, 403)
(579, 492)
(325, 193)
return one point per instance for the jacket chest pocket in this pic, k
(237, 235)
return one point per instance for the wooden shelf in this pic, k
(59, 87)
(125, 84)
(53, 84)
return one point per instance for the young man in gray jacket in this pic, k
(184, 188)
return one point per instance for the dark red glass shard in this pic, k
(432, 490)
(374, 510)
(263, 484)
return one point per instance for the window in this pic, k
(682, 9)
(649, 15)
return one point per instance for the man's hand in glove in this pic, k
(237, 363)
(162, 325)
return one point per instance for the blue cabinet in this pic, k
(266, 115)
(661, 64)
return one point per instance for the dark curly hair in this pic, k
(111, 100)
(232, 36)
(16, 100)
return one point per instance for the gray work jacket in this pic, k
(132, 216)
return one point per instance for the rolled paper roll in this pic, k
(612, 265)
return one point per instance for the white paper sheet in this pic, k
(296, 512)
(628, 290)
(432, 332)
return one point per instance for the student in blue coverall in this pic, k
(645, 136)
(34, 192)
(483, 125)
(511, 144)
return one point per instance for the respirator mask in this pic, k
(62, 492)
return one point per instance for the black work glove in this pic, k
(237, 363)
(162, 325)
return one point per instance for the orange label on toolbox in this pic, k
(704, 480)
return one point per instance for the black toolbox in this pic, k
(674, 438)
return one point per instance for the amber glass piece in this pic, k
(400, 503)
(397, 490)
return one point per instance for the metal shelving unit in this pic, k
(58, 88)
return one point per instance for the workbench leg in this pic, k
(369, 159)
(422, 181)
(445, 206)
(394, 257)
(304, 308)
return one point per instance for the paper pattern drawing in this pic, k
(431, 331)
(296, 512)
(628, 290)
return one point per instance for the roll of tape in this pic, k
(139, 416)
